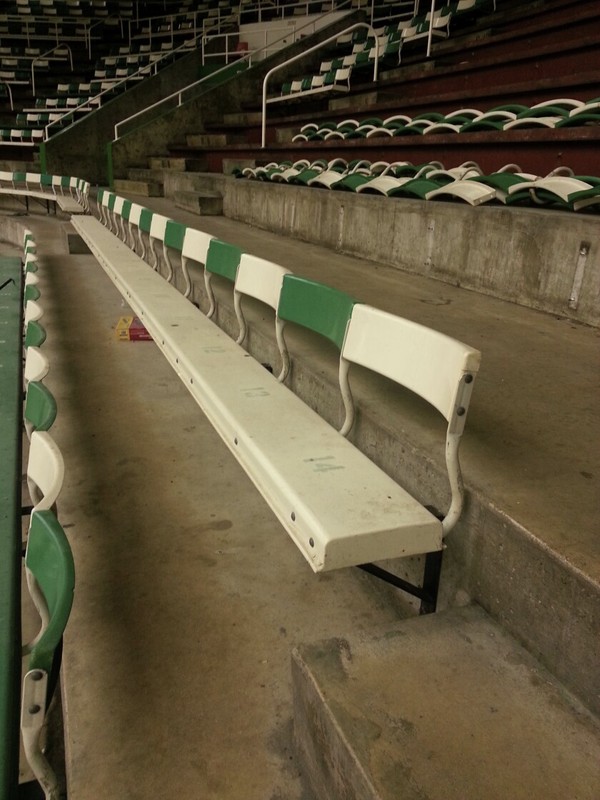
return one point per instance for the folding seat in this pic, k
(503, 180)
(585, 114)
(45, 471)
(555, 189)
(36, 365)
(40, 406)
(470, 191)
(290, 172)
(324, 178)
(50, 574)
(365, 127)
(546, 116)
(360, 176)
(302, 177)
(258, 278)
(194, 248)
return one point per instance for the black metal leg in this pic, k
(427, 593)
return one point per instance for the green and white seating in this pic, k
(40, 407)
(51, 579)
(258, 278)
(338, 507)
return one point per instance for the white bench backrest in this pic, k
(36, 365)
(195, 247)
(434, 366)
(258, 278)
(423, 360)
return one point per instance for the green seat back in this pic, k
(223, 259)
(50, 560)
(315, 306)
(31, 293)
(174, 235)
(145, 220)
(40, 406)
(35, 335)
(125, 211)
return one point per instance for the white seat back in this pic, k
(434, 366)
(195, 247)
(158, 226)
(258, 278)
(33, 312)
(45, 470)
(36, 365)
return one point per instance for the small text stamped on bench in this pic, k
(323, 463)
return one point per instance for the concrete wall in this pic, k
(531, 257)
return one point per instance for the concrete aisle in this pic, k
(189, 595)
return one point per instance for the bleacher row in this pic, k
(124, 66)
(70, 194)
(432, 365)
(48, 560)
(359, 49)
(509, 185)
(558, 113)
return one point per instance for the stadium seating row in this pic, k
(288, 469)
(68, 193)
(558, 113)
(358, 50)
(48, 560)
(509, 185)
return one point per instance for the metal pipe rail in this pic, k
(151, 68)
(44, 56)
(305, 53)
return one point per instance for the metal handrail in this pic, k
(305, 53)
(246, 57)
(45, 55)
(152, 66)
(178, 94)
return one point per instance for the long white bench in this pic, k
(338, 507)
(68, 193)
(67, 204)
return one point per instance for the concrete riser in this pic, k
(202, 203)
(446, 707)
(141, 187)
(491, 249)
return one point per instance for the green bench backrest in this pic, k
(315, 306)
(50, 561)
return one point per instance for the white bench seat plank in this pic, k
(336, 504)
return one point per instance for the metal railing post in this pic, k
(305, 53)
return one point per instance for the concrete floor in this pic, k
(189, 596)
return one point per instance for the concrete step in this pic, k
(145, 188)
(214, 139)
(202, 203)
(243, 118)
(230, 165)
(444, 707)
(177, 164)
